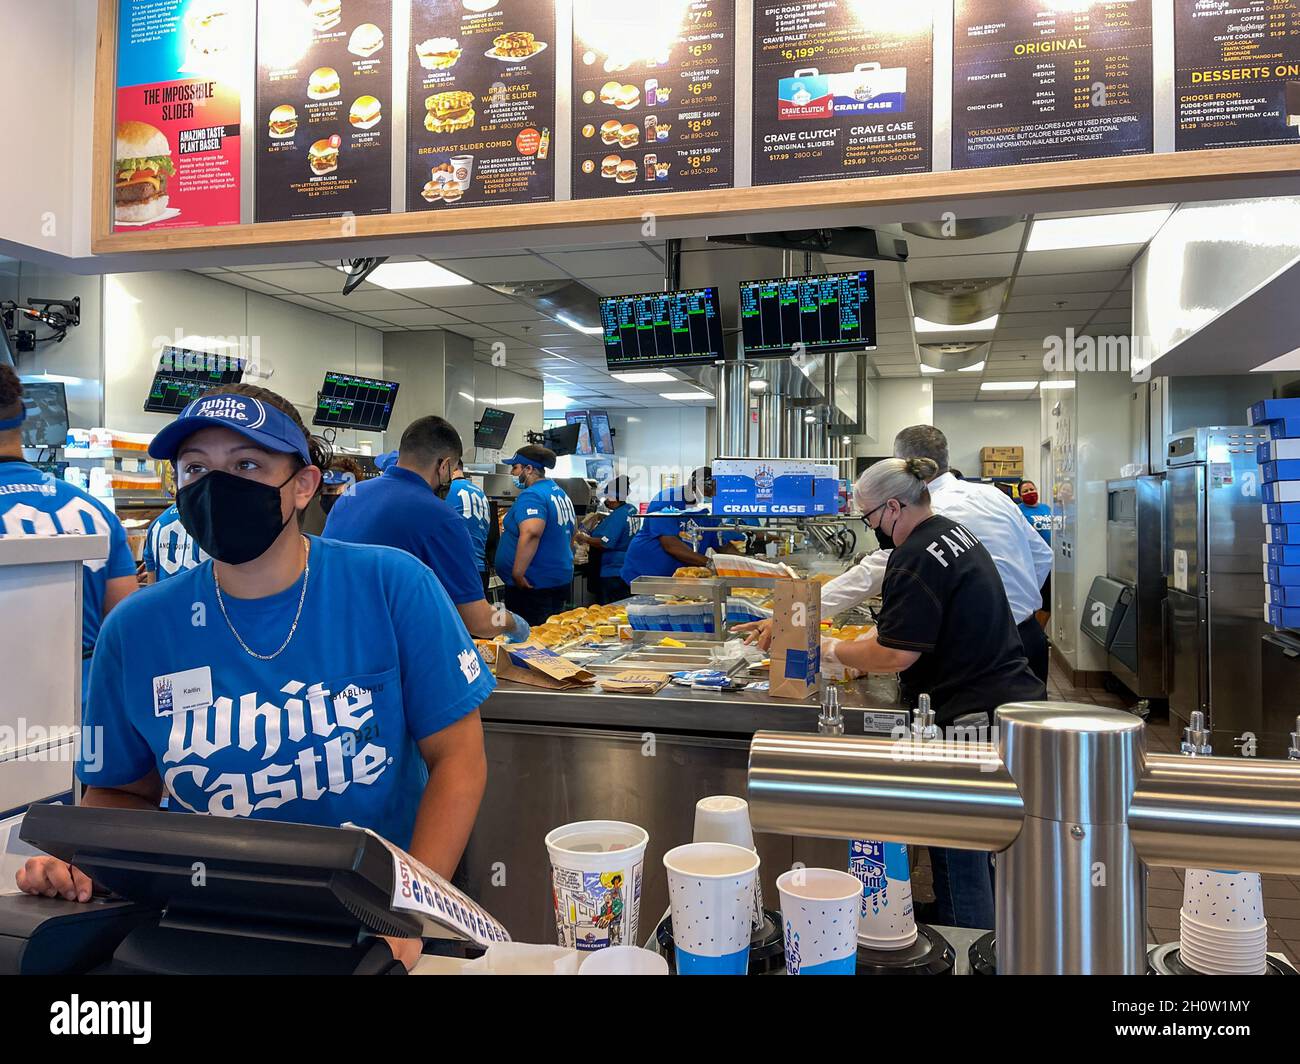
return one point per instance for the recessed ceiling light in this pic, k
(1008, 386)
(404, 275)
(1055, 385)
(554, 399)
(972, 369)
(651, 377)
(513, 400)
(758, 385)
(685, 396)
(987, 325)
(587, 330)
(1095, 230)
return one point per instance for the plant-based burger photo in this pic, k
(144, 163)
(366, 40)
(365, 113)
(323, 156)
(323, 83)
(283, 122)
(325, 14)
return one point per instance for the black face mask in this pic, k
(232, 518)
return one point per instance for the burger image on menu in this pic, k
(478, 6)
(323, 84)
(323, 157)
(609, 165)
(283, 122)
(143, 164)
(207, 24)
(627, 170)
(366, 112)
(325, 14)
(449, 112)
(438, 53)
(611, 131)
(366, 40)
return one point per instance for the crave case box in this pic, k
(480, 103)
(324, 97)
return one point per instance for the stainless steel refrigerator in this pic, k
(1215, 580)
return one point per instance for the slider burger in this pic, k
(449, 112)
(365, 113)
(628, 97)
(515, 45)
(325, 14)
(208, 26)
(609, 165)
(609, 92)
(284, 122)
(438, 53)
(626, 172)
(431, 192)
(366, 40)
(323, 157)
(323, 83)
(611, 131)
(451, 191)
(144, 162)
(629, 135)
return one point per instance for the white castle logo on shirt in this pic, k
(469, 665)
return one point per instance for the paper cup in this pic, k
(1227, 900)
(885, 918)
(711, 890)
(819, 912)
(596, 869)
(624, 960)
(725, 818)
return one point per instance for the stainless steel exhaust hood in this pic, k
(959, 302)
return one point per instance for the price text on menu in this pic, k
(481, 103)
(835, 96)
(1237, 76)
(1033, 82)
(653, 97)
(324, 106)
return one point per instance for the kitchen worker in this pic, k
(33, 503)
(471, 502)
(611, 538)
(289, 678)
(340, 479)
(168, 548)
(1039, 514)
(535, 556)
(658, 548)
(403, 509)
(945, 626)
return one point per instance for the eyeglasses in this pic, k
(867, 516)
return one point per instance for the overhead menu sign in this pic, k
(324, 108)
(841, 90)
(1237, 73)
(1040, 80)
(481, 103)
(653, 96)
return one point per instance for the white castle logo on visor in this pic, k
(241, 408)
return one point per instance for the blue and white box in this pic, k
(1281, 490)
(1281, 534)
(1288, 428)
(1282, 575)
(774, 487)
(1269, 410)
(1287, 450)
(1288, 469)
(1283, 616)
(1281, 596)
(1281, 553)
(1282, 513)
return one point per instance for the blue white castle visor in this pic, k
(264, 425)
(524, 460)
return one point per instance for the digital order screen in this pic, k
(183, 376)
(602, 435)
(350, 402)
(493, 428)
(662, 329)
(836, 310)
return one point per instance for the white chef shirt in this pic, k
(1022, 558)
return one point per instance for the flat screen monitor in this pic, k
(662, 329)
(579, 418)
(828, 312)
(602, 436)
(492, 429)
(601, 470)
(47, 414)
(562, 440)
(182, 376)
(347, 401)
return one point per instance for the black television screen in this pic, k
(47, 414)
(182, 376)
(662, 329)
(492, 429)
(562, 440)
(602, 436)
(823, 313)
(579, 418)
(347, 401)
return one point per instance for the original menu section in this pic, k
(324, 95)
(1237, 73)
(1035, 81)
(481, 103)
(653, 97)
(841, 90)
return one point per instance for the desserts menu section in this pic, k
(324, 94)
(481, 103)
(1038, 80)
(841, 90)
(1237, 73)
(653, 96)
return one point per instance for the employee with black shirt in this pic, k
(946, 628)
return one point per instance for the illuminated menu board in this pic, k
(662, 328)
(781, 316)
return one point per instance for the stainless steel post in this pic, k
(733, 410)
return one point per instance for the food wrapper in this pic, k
(635, 682)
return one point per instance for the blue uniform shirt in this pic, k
(1040, 516)
(614, 533)
(645, 554)
(469, 500)
(552, 565)
(399, 509)
(33, 503)
(326, 732)
(168, 547)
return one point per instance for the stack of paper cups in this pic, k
(1222, 930)
(711, 891)
(886, 920)
(819, 911)
(725, 818)
(596, 868)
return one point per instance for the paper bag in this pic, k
(534, 664)
(796, 638)
(635, 682)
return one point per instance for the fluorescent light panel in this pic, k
(972, 369)
(407, 275)
(645, 377)
(1094, 230)
(987, 325)
(1008, 386)
(685, 396)
(1050, 386)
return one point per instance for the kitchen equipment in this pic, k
(1135, 558)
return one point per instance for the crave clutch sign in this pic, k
(324, 96)
(176, 143)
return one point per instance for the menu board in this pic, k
(1237, 73)
(653, 96)
(1038, 80)
(176, 143)
(841, 90)
(324, 97)
(481, 103)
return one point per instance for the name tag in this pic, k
(182, 692)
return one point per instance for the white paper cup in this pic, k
(1227, 900)
(819, 914)
(596, 869)
(1208, 964)
(711, 890)
(1218, 934)
(624, 960)
(463, 168)
(725, 818)
(885, 919)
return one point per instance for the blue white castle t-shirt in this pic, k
(470, 501)
(325, 733)
(552, 565)
(169, 548)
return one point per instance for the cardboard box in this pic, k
(1269, 410)
(1281, 596)
(539, 666)
(1277, 450)
(1002, 454)
(1284, 616)
(1287, 469)
(1282, 513)
(1287, 428)
(796, 639)
(1002, 469)
(1281, 491)
(1282, 553)
(1282, 575)
(1279, 534)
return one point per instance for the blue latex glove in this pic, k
(520, 631)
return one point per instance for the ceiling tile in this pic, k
(508, 268)
(424, 318)
(630, 285)
(1079, 260)
(359, 301)
(308, 281)
(1047, 283)
(506, 312)
(960, 267)
(461, 295)
(251, 283)
(622, 262)
(476, 332)
(1046, 302)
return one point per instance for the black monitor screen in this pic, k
(493, 428)
(662, 329)
(602, 437)
(563, 440)
(579, 418)
(827, 312)
(183, 376)
(47, 414)
(347, 401)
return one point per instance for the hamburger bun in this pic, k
(323, 84)
(452, 191)
(609, 92)
(366, 40)
(628, 97)
(140, 140)
(629, 135)
(627, 171)
(283, 122)
(432, 191)
(325, 14)
(609, 165)
(366, 112)
(438, 53)
(146, 211)
(323, 157)
(610, 131)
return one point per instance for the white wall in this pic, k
(898, 404)
(971, 425)
(492, 385)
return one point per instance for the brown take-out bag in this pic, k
(796, 638)
(534, 664)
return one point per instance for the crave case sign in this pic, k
(176, 143)
(841, 89)
(481, 103)
(1040, 80)
(324, 97)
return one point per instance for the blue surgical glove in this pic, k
(520, 631)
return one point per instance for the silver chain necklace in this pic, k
(306, 574)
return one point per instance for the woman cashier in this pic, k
(290, 677)
(535, 555)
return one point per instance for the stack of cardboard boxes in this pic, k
(1002, 462)
(1279, 462)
